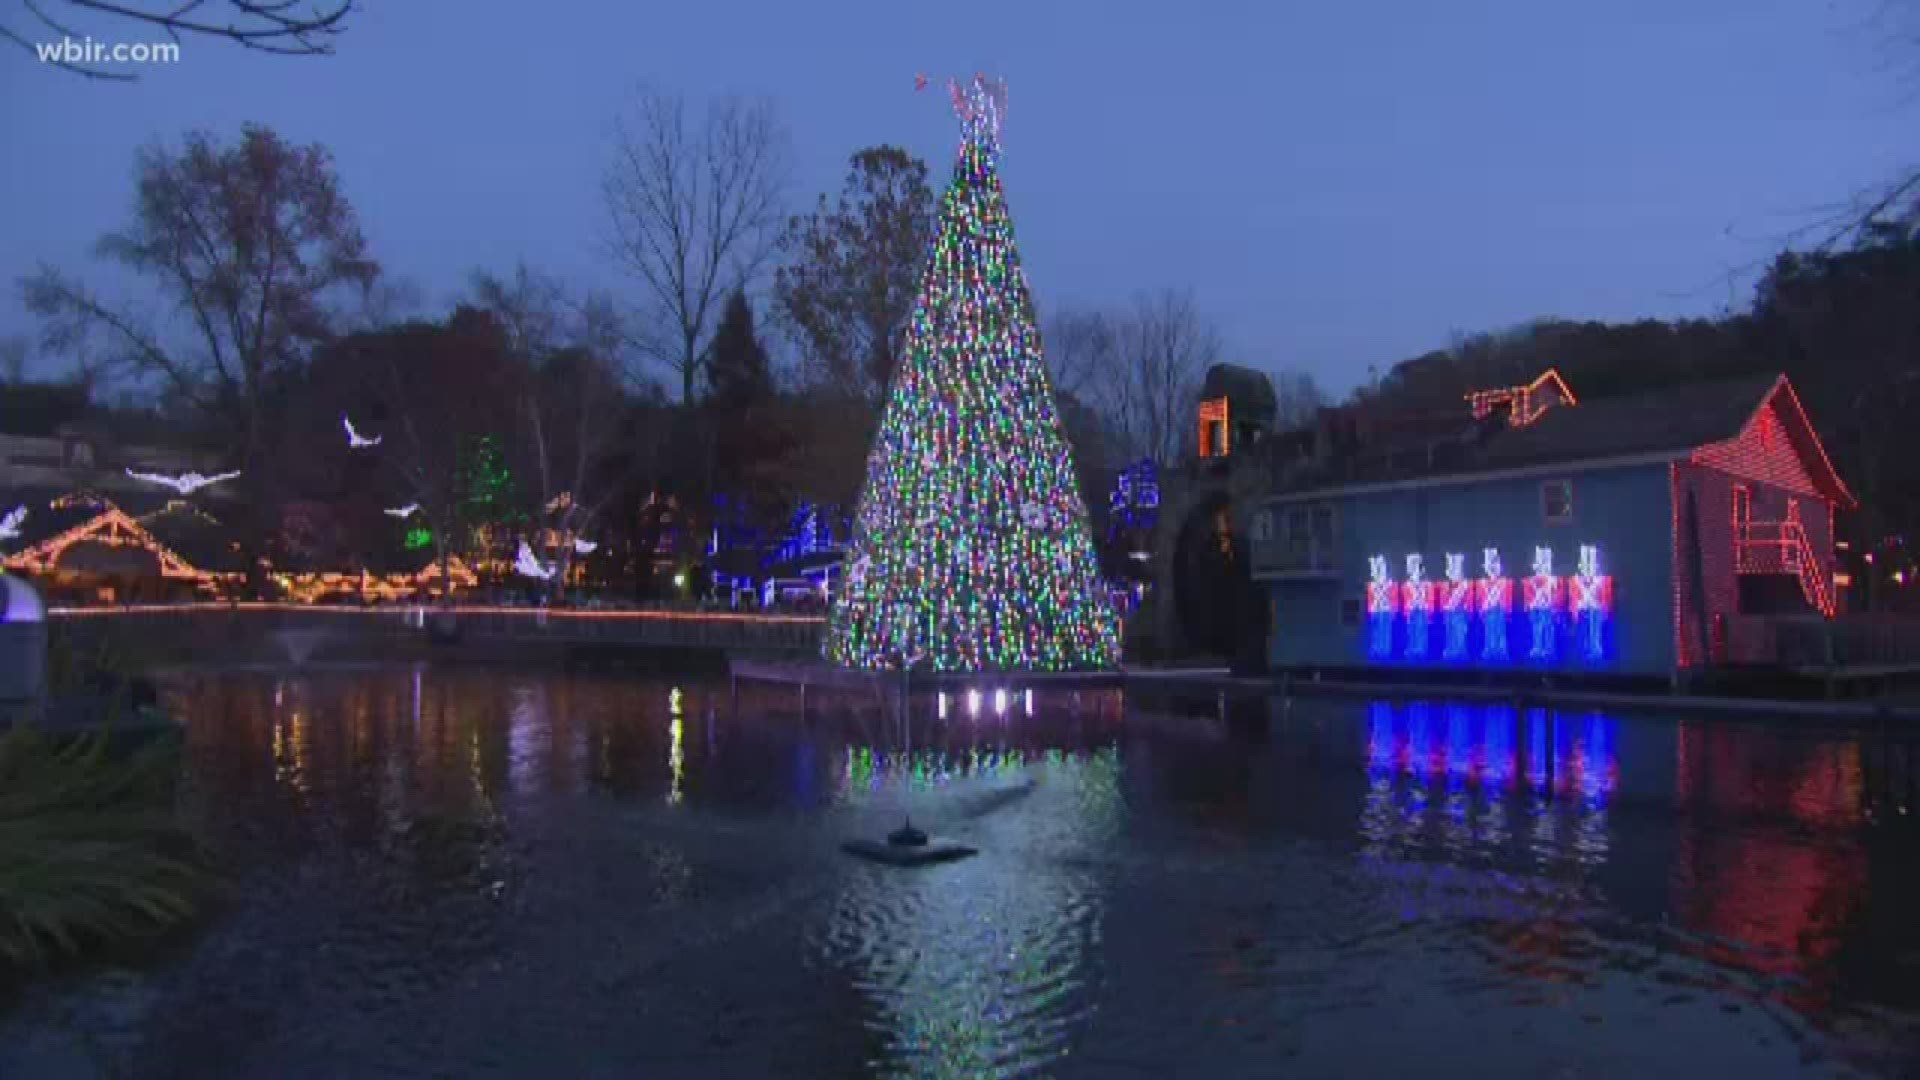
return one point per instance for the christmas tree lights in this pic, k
(971, 544)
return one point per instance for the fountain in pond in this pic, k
(298, 645)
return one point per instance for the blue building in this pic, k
(1637, 536)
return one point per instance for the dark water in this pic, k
(476, 873)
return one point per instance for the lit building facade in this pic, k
(1636, 536)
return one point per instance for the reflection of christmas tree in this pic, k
(971, 544)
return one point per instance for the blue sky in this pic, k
(1339, 184)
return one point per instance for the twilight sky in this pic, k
(1340, 184)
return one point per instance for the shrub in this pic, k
(91, 852)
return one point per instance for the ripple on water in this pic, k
(975, 969)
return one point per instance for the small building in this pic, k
(1237, 407)
(1638, 536)
(84, 548)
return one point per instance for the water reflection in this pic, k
(984, 968)
(676, 751)
(1471, 779)
(1160, 877)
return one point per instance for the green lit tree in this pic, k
(489, 508)
(971, 547)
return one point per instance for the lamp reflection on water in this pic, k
(676, 752)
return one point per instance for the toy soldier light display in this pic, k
(1456, 602)
(1496, 606)
(1592, 603)
(1382, 606)
(1543, 605)
(1418, 602)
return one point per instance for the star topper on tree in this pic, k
(981, 105)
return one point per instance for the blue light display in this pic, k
(809, 532)
(1493, 748)
(1418, 593)
(1456, 601)
(1564, 617)
(1135, 501)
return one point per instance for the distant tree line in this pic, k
(610, 414)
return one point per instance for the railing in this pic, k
(1781, 547)
(1847, 641)
(635, 627)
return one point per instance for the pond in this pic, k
(468, 871)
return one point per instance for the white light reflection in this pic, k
(1029, 699)
(973, 703)
(1000, 702)
(943, 704)
(676, 753)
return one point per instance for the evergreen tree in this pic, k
(749, 443)
(738, 374)
(971, 545)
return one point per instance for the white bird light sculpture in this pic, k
(185, 483)
(406, 511)
(10, 525)
(355, 440)
(584, 547)
(527, 564)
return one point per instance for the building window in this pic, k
(1556, 500)
(1303, 539)
(1213, 428)
(1350, 612)
(1322, 537)
(1263, 526)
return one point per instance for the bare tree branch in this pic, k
(693, 213)
(1144, 365)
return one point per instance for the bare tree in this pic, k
(1299, 398)
(285, 27)
(1082, 348)
(531, 308)
(578, 442)
(693, 210)
(1164, 348)
(252, 242)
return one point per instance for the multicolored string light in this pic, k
(971, 545)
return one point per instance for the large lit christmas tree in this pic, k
(971, 548)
